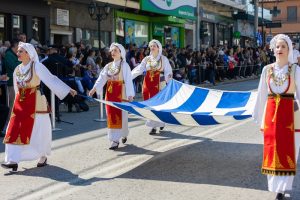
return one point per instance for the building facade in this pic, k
(31, 18)
(289, 17)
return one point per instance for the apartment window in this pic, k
(292, 13)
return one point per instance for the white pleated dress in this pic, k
(278, 184)
(41, 137)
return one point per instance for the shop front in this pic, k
(31, 18)
(246, 31)
(215, 30)
(140, 29)
(71, 22)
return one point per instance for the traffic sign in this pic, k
(273, 25)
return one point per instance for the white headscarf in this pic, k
(30, 50)
(159, 47)
(289, 43)
(122, 49)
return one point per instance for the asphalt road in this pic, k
(212, 162)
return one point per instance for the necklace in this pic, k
(113, 70)
(153, 64)
(22, 77)
(279, 80)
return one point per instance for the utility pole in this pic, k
(255, 19)
(262, 23)
(198, 26)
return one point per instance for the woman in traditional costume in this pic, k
(154, 65)
(277, 111)
(119, 88)
(29, 134)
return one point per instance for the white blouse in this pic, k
(60, 89)
(262, 92)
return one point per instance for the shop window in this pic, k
(206, 34)
(18, 25)
(120, 32)
(136, 32)
(221, 34)
(37, 31)
(91, 37)
(141, 33)
(171, 36)
(2, 27)
(292, 13)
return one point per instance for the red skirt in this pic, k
(114, 93)
(21, 122)
(151, 84)
(279, 141)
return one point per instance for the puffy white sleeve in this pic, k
(60, 89)
(102, 79)
(262, 96)
(139, 70)
(297, 82)
(15, 82)
(167, 69)
(129, 89)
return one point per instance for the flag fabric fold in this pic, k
(188, 105)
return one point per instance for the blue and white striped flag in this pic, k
(183, 104)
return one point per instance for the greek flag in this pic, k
(188, 105)
(259, 38)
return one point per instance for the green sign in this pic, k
(178, 8)
(237, 35)
(158, 30)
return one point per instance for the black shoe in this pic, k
(42, 164)
(279, 196)
(153, 131)
(77, 107)
(13, 166)
(124, 140)
(162, 128)
(114, 146)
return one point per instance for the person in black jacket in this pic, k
(4, 109)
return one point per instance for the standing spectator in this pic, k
(296, 54)
(181, 58)
(22, 37)
(211, 67)
(4, 109)
(2, 55)
(10, 63)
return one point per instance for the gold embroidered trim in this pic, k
(290, 161)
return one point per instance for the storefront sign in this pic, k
(237, 35)
(178, 8)
(158, 30)
(62, 17)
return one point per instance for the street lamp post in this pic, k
(102, 13)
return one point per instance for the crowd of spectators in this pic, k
(79, 65)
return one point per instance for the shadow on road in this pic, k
(208, 162)
(169, 135)
(58, 174)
